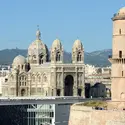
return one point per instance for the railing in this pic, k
(39, 98)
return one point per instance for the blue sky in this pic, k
(87, 20)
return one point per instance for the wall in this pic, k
(80, 115)
(62, 114)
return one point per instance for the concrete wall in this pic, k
(62, 114)
(80, 115)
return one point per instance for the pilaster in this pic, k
(62, 83)
(83, 82)
(75, 88)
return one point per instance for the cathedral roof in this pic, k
(77, 44)
(19, 60)
(36, 46)
(56, 44)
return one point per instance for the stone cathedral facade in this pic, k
(44, 73)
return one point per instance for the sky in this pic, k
(68, 20)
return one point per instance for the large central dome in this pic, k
(37, 46)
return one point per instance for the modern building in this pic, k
(44, 73)
(36, 110)
(48, 114)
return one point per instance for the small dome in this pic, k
(77, 44)
(56, 44)
(19, 60)
(121, 11)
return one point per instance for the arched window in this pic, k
(122, 73)
(23, 80)
(58, 56)
(119, 31)
(33, 78)
(120, 54)
(23, 92)
(34, 59)
(39, 78)
(22, 66)
(40, 59)
(79, 56)
(44, 79)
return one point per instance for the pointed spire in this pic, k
(38, 34)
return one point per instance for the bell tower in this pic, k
(118, 56)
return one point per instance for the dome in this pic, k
(19, 60)
(77, 44)
(56, 44)
(121, 11)
(37, 46)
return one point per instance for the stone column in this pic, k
(75, 91)
(62, 83)
(75, 87)
(29, 85)
(53, 77)
(83, 82)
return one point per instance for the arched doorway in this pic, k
(69, 81)
(23, 92)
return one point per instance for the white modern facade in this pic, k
(48, 114)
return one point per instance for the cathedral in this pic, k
(44, 73)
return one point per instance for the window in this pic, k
(51, 114)
(79, 56)
(39, 78)
(6, 80)
(58, 56)
(119, 31)
(33, 78)
(22, 66)
(22, 80)
(52, 92)
(41, 59)
(120, 54)
(58, 92)
(122, 73)
(50, 121)
(46, 93)
(79, 92)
